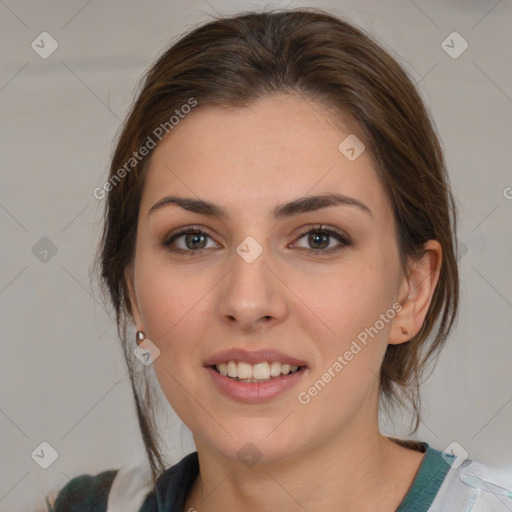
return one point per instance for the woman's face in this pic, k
(248, 283)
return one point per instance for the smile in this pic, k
(254, 376)
(254, 390)
(260, 372)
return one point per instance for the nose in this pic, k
(253, 296)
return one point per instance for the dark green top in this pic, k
(86, 493)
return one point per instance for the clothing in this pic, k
(444, 483)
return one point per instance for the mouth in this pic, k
(255, 373)
(254, 376)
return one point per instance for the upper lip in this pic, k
(252, 357)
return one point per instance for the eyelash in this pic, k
(344, 241)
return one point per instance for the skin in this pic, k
(248, 161)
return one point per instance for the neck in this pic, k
(356, 471)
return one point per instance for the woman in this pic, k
(280, 233)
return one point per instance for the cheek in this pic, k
(169, 300)
(340, 304)
(358, 311)
(172, 310)
(353, 315)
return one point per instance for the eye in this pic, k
(193, 241)
(319, 237)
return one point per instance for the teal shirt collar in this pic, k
(430, 476)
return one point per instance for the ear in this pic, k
(415, 293)
(129, 278)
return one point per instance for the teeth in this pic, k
(259, 371)
(275, 369)
(254, 372)
(244, 371)
(232, 369)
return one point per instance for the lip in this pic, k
(253, 357)
(254, 392)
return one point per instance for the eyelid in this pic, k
(184, 230)
(324, 228)
(301, 230)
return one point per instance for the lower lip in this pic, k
(254, 392)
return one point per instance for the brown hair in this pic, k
(234, 61)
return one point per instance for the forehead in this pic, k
(280, 147)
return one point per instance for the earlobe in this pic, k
(415, 294)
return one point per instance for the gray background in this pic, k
(62, 376)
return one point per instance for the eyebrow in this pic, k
(295, 207)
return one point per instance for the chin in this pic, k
(257, 445)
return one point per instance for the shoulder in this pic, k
(475, 486)
(84, 493)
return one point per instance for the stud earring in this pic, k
(140, 337)
(405, 332)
